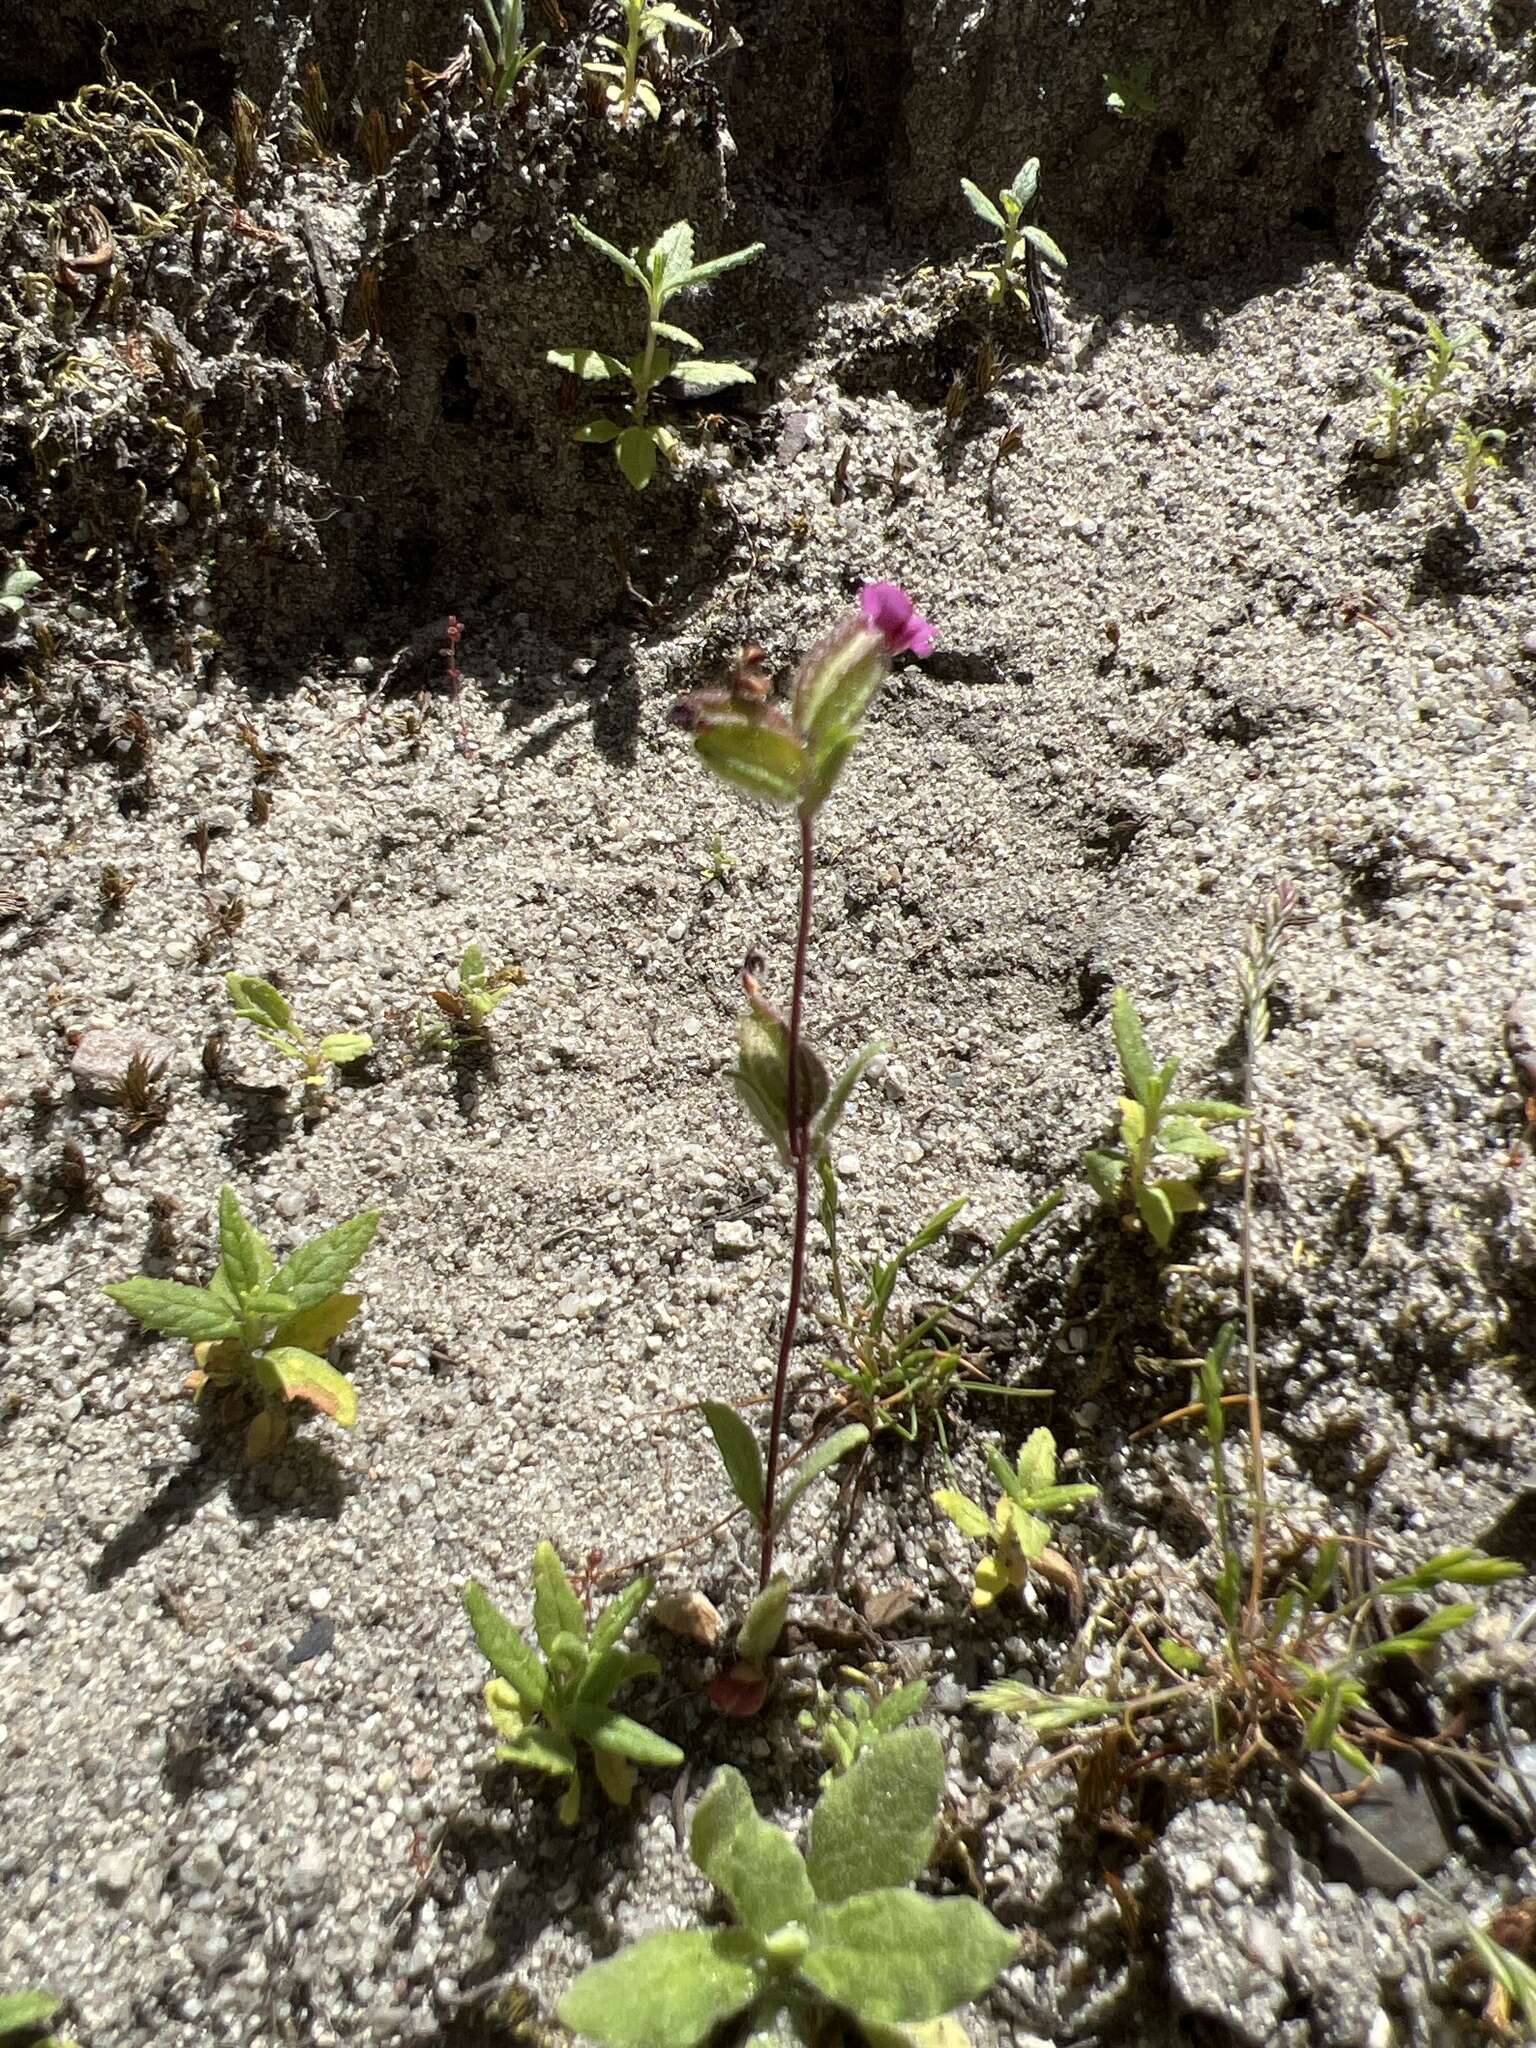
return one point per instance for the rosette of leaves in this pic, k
(1153, 1126)
(477, 995)
(257, 1329)
(661, 272)
(1008, 276)
(832, 1936)
(259, 1003)
(1017, 1533)
(550, 1704)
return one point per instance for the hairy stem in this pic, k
(1251, 1347)
(800, 1153)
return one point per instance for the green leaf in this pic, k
(307, 1378)
(620, 1736)
(705, 273)
(667, 1991)
(668, 16)
(1424, 1634)
(174, 1310)
(1207, 1112)
(23, 2012)
(1026, 184)
(317, 1270)
(743, 1461)
(678, 334)
(244, 1254)
(635, 452)
(643, 377)
(756, 1865)
(968, 1518)
(826, 1454)
(701, 380)
(259, 1002)
(1042, 241)
(342, 1047)
(1131, 1045)
(555, 1605)
(311, 1329)
(627, 264)
(875, 1826)
(831, 1116)
(618, 1614)
(1037, 1465)
(1105, 1174)
(597, 433)
(608, 1671)
(539, 1748)
(895, 1956)
(505, 1648)
(670, 258)
(755, 753)
(1516, 1976)
(1048, 1713)
(982, 205)
(1464, 1567)
(1156, 1212)
(760, 1632)
(592, 364)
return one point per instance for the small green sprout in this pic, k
(257, 1328)
(544, 1706)
(1395, 394)
(645, 23)
(1445, 359)
(1129, 93)
(901, 1367)
(501, 55)
(818, 1939)
(1018, 1532)
(259, 1003)
(26, 2020)
(16, 588)
(476, 996)
(1480, 450)
(854, 1721)
(1010, 274)
(1129, 1177)
(661, 272)
(722, 862)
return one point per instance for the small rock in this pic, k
(733, 1237)
(102, 1058)
(115, 1873)
(690, 1615)
(205, 1866)
(309, 1872)
(1241, 1861)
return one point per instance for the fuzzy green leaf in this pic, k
(843, 1087)
(311, 1329)
(764, 1624)
(1105, 1174)
(702, 380)
(174, 1310)
(627, 264)
(505, 1648)
(1048, 1713)
(755, 753)
(316, 1271)
(534, 1747)
(341, 1048)
(743, 1461)
(875, 1826)
(555, 1605)
(243, 1253)
(1131, 1045)
(594, 365)
(608, 1671)
(635, 452)
(1207, 1112)
(23, 2012)
(756, 1865)
(1156, 1212)
(670, 257)
(1047, 248)
(678, 334)
(970, 1519)
(895, 1956)
(705, 273)
(304, 1377)
(259, 1002)
(1026, 184)
(620, 1736)
(982, 205)
(667, 1991)
(826, 1454)
(618, 1614)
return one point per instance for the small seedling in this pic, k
(1395, 394)
(858, 1718)
(139, 1097)
(1128, 93)
(1129, 1178)
(546, 1707)
(901, 1366)
(501, 55)
(1445, 358)
(818, 1939)
(661, 272)
(113, 888)
(1480, 450)
(722, 862)
(1017, 1533)
(16, 589)
(26, 2020)
(257, 1328)
(259, 1003)
(645, 24)
(476, 996)
(1009, 276)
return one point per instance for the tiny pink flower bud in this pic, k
(897, 620)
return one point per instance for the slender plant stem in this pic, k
(800, 1153)
(1251, 1346)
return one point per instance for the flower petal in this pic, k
(898, 621)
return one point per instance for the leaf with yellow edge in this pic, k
(311, 1329)
(303, 1377)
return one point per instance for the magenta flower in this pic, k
(897, 620)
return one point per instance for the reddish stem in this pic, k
(800, 1153)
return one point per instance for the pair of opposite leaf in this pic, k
(833, 1933)
(1017, 1533)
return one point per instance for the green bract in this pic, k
(257, 1328)
(835, 1931)
(259, 1003)
(1017, 1532)
(661, 272)
(545, 1707)
(1128, 1177)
